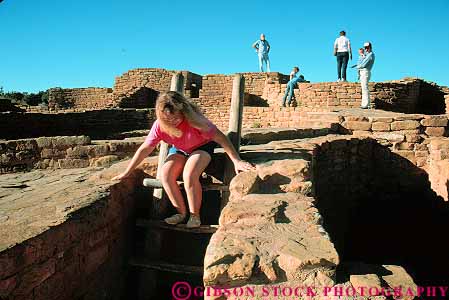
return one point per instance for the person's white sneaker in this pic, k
(175, 219)
(338, 80)
(194, 222)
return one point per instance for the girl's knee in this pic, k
(168, 174)
(190, 178)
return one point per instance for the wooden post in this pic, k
(236, 111)
(235, 129)
(177, 85)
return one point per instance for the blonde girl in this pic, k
(193, 138)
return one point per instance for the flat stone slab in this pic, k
(265, 135)
(270, 230)
(32, 202)
(269, 238)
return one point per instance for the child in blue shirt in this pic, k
(359, 61)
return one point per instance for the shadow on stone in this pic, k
(254, 100)
(280, 216)
(143, 98)
(379, 208)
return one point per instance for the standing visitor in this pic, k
(343, 52)
(364, 68)
(262, 49)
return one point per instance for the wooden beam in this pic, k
(235, 130)
(177, 84)
(236, 111)
(165, 266)
(159, 224)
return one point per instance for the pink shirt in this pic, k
(190, 139)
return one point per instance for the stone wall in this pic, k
(438, 166)
(98, 124)
(217, 89)
(401, 96)
(367, 190)
(265, 117)
(139, 88)
(63, 152)
(79, 98)
(78, 250)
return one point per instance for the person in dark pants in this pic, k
(295, 77)
(343, 52)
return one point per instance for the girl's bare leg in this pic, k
(171, 170)
(193, 168)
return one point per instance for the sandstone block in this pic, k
(438, 144)
(421, 147)
(26, 144)
(104, 161)
(381, 126)
(286, 175)
(382, 119)
(77, 152)
(73, 163)
(389, 136)
(365, 281)
(405, 146)
(413, 138)
(399, 277)
(409, 117)
(435, 121)
(357, 125)
(435, 131)
(405, 125)
(356, 118)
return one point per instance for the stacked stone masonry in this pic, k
(80, 98)
(139, 88)
(63, 152)
(98, 124)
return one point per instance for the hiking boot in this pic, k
(194, 222)
(175, 219)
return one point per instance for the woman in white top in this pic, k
(342, 49)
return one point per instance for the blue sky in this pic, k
(83, 43)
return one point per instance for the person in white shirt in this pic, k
(343, 52)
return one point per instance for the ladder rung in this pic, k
(165, 266)
(180, 227)
(156, 183)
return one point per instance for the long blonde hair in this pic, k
(173, 102)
